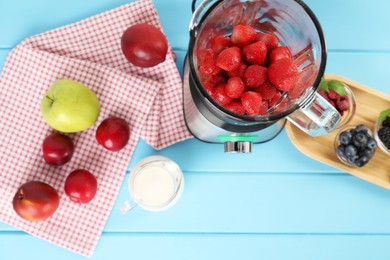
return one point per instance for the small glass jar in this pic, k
(354, 151)
(381, 145)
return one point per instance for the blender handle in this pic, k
(193, 6)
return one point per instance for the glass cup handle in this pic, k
(316, 118)
(129, 206)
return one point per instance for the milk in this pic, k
(155, 184)
(153, 187)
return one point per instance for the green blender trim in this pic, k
(238, 138)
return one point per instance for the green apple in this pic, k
(69, 106)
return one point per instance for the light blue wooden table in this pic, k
(237, 206)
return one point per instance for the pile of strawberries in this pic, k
(248, 72)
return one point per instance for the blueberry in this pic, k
(362, 161)
(359, 140)
(351, 159)
(367, 152)
(345, 137)
(361, 129)
(340, 151)
(371, 144)
(350, 150)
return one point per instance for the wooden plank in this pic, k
(41, 15)
(345, 27)
(207, 246)
(262, 203)
(353, 25)
(265, 202)
(366, 68)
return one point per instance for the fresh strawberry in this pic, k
(220, 43)
(243, 35)
(275, 99)
(209, 87)
(255, 75)
(283, 74)
(263, 108)
(211, 81)
(235, 87)
(206, 62)
(220, 95)
(255, 53)
(239, 72)
(267, 90)
(305, 80)
(333, 95)
(205, 77)
(204, 55)
(279, 53)
(236, 107)
(251, 101)
(270, 40)
(229, 59)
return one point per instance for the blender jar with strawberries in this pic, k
(250, 66)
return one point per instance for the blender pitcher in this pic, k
(297, 28)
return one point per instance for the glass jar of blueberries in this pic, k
(355, 145)
(382, 132)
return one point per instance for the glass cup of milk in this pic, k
(155, 184)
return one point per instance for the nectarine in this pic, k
(36, 201)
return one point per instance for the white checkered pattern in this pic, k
(88, 52)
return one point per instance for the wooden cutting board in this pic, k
(369, 103)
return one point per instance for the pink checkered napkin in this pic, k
(88, 52)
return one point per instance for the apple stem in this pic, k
(52, 100)
(20, 196)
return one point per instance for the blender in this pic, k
(297, 28)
